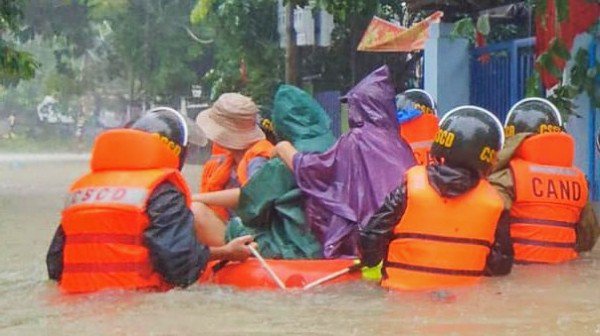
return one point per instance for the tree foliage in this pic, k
(342, 65)
(247, 57)
(583, 72)
(152, 49)
(15, 64)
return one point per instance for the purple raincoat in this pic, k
(349, 182)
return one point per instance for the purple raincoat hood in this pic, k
(372, 101)
(349, 182)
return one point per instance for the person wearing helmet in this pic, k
(127, 224)
(417, 116)
(240, 150)
(551, 220)
(439, 227)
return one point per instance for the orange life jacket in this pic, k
(215, 175)
(441, 242)
(105, 213)
(419, 133)
(217, 171)
(550, 194)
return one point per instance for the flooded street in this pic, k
(533, 300)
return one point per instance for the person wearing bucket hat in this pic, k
(456, 244)
(550, 217)
(417, 116)
(239, 150)
(271, 208)
(127, 224)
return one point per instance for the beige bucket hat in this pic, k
(231, 122)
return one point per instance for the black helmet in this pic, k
(469, 137)
(172, 125)
(534, 115)
(417, 99)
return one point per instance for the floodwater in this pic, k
(533, 300)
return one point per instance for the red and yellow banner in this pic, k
(384, 36)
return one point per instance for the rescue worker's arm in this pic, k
(502, 178)
(504, 183)
(228, 198)
(588, 229)
(376, 235)
(286, 151)
(501, 257)
(174, 251)
(54, 258)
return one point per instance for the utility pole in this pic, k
(291, 76)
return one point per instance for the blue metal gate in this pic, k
(499, 74)
(500, 81)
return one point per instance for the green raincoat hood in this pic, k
(298, 118)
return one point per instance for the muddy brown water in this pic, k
(533, 300)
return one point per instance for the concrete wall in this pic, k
(447, 70)
(581, 128)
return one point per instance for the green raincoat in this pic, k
(588, 229)
(271, 207)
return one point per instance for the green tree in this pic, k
(153, 48)
(247, 57)
(247, 31)
(341, 65)
(15, 64)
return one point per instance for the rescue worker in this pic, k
(439, 227)
(239, 150)
(127, 224)
(550, 219)
(417, 116)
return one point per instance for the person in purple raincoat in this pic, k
(349, 182)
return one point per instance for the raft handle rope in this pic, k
(266, 266)
(333, 275)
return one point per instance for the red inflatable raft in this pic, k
(294, 273)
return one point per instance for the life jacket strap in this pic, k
(543, 222)
(141, 268)
(434, 270)
(457, 240)
(104, 238)
(542, 243)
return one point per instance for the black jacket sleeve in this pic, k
(54, 258)
(171, 238)
(376, 235)
(501, 257)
